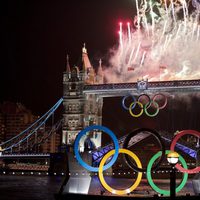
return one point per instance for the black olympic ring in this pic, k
(158, 138)
(147, 96)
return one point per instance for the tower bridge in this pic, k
(122, 89)
(84, 90)
(83, 93)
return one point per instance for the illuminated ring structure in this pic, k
(101, 177)
(158, 138)
(124, 99)
(132, 106)
(172, 147)
(150, 180)
(76, 148)
(148, 106)
(165, 102)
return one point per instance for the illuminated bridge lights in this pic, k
(25, 156)
(23, 138)
(40, 173)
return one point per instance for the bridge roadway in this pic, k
(121, 89)
(97, 155)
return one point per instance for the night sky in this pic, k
(37, 34)
(35, 37)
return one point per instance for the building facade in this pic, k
(52, 144)
(81, 110)
(2, 127)
(15, 118)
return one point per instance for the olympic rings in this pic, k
(145, 106)
(102, 180)
(134, 133)
(150, 180)
(76, 149)
(113, 154)
(173, 144)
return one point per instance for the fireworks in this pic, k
(163, 33)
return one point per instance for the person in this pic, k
(198, 155)
(1, 151)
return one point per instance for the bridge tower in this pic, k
(80, 110)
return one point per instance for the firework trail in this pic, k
(162, 44)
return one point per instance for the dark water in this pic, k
(18, 187)
(29, 187)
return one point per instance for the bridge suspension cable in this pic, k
(31, 130)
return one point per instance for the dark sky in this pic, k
(35, 36)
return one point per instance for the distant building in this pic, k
(2, 127)
(15, 118)
(52, 144)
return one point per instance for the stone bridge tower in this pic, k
(80, 109)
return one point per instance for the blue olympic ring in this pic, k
(76, 149)
(123, 101)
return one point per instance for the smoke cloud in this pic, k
(161, 45)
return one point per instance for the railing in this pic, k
(175, 84)
(42, 155)
(32, 136)
(98, 155)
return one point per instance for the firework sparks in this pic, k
(160, 38)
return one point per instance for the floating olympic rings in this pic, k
(159, 140)
(150, 180)
(113, 154)
(102, 180)
(172, 147)
(76, 147)
(144, 106)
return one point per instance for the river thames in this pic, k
(18, 187)
(13, 187)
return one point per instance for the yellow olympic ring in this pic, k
(102, 180)
(141, 106)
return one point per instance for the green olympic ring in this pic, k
(146, 106)
(150, 180)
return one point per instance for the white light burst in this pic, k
(162, 44)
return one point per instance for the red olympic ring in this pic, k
(172, 147)
(165, 102)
